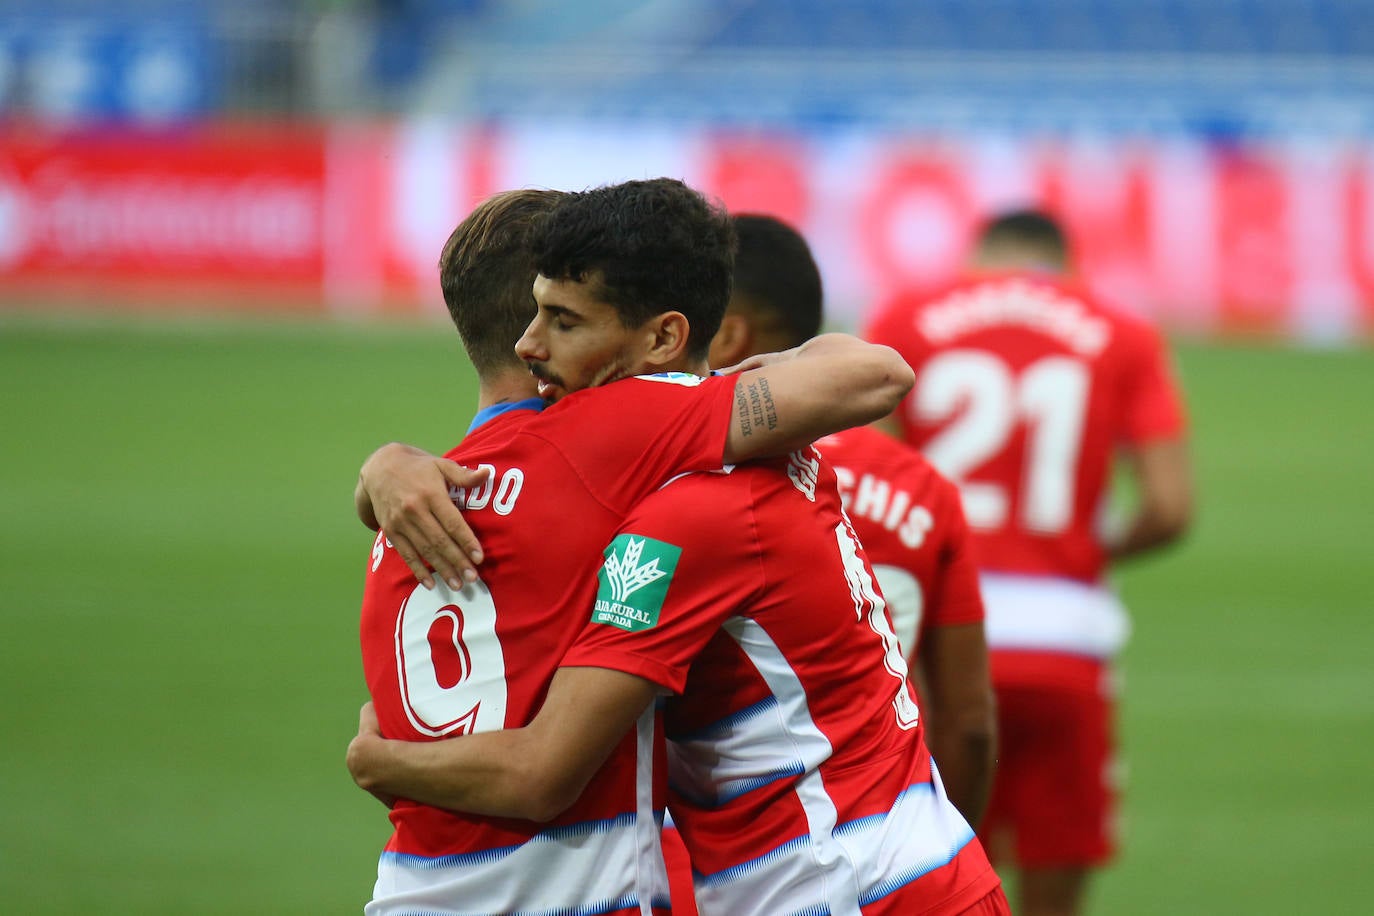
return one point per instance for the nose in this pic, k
(530, 345)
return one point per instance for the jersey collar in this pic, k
(536, 404)
(496, 410)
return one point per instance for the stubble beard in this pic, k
(613, 371)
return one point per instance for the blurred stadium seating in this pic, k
(1214, 156)
(1218, 68)
(1212, 67)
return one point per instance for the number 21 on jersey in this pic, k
(988, 402)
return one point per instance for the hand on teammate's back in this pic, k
(758, 361)
(404, 491)
(359, 753)
(821, 346)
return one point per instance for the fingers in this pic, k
(453, 522)
(463, 476)
(757, 361)
(447, 544)
(437, 531)
(414, 505)
(427, 529)
(367, 720)
(412, 558)
(359, 752)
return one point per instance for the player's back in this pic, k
(441, 663)
(1024, 386)
(800, 778)
(908, 517)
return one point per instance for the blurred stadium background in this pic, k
(218, 226)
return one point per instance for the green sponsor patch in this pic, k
(634, 580)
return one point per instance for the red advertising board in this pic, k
(204, 208)
(1277, 238)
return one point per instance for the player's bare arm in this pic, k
(1163, 476)
(784, 401)
(403, 490)
(960, 713)
(533, 773)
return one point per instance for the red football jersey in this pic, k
(912, 527)
(801, 782)
(440, 663)
(1024, 387)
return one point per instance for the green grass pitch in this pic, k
(180, 572)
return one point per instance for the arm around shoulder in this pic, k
(785, 401)
(405, 491)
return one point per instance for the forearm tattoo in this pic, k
(755, 407)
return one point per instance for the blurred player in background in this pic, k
(906, 514)
(1027, 391)
(444, 661)
(802, 780)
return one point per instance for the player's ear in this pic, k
(732, 343)
(668, 342)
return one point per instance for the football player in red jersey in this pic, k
(444, 661)
(906, 514)
(1028, 391)
(876, 834)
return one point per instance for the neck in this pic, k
(1047, 264)
(505, 386)
(694, 366)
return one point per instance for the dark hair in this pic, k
(487, 273)
(776, 276)
(1026, 229)
(652, 247)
